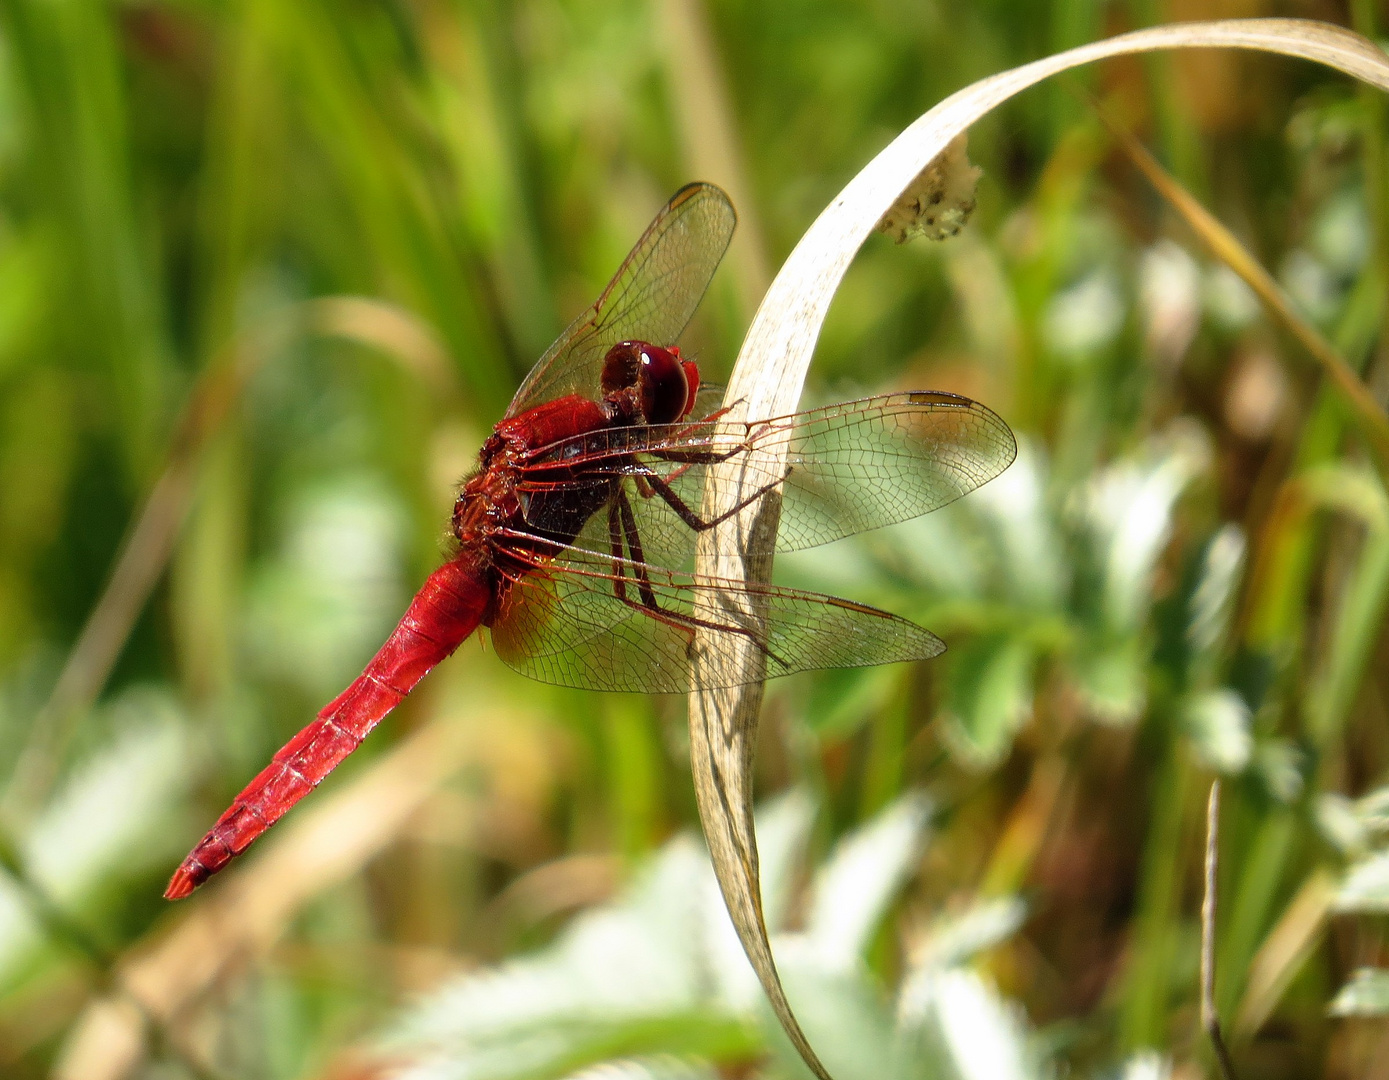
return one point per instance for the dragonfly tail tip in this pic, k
(181, 885)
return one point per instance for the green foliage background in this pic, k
(1184, 575)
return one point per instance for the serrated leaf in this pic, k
(658, 967)
(952, 1023)
(852, 891)
(1128, 508)
(638, 957)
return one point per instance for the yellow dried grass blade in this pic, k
(771, 370)
(1225, 246)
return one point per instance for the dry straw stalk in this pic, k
(771, 370)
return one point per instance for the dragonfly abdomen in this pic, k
(450, 606)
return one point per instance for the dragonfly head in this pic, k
(657, 379)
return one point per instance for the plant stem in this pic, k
(1210, 1019)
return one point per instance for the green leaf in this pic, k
(1112, 680)
(1359, 622)
(1367, 994)
(956, 939)
(1373, 810)
(1030, 566)
(1365, 887)
(661, 1067)
(1282, 766)
(625, 977)
(846, 699)
(852, 891)
(1340, 824)
(1218, 724)
(1213, 599)
(954, 1024)
(842, 1014)
(1128, 510)
(990, 696)
(106, 823)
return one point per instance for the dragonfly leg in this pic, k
(615, 545)
(668, 495)
(670, 477)
(633, 535)
(649, 604)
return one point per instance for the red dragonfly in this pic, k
(575, 534)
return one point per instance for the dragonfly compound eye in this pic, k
(665, 390)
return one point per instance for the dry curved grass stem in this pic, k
(771, 370)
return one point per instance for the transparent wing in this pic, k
(845, 469)
(605, 622)
(652, 297)
(709, 399)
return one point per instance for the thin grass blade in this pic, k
(771, 370)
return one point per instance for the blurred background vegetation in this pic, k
(268, 273)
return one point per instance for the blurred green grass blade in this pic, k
(240, 199)
(1287, 563)
(633, 764)
(1282, 953)
(476, 96)
(66, 59)
(207, 567)
(1262, 869)
(1156, 928)
(408, 236)
(238, 211)
(1358, 627)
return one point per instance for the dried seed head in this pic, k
(939, 201)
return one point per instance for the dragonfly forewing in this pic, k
(843, 469)
(652, 297)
